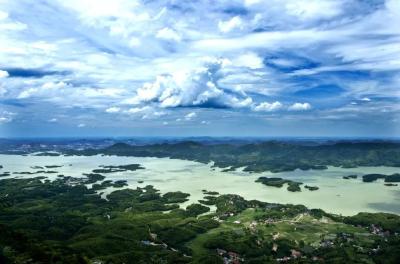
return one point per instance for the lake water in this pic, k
(335, 195)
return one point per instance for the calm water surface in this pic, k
(335, 195)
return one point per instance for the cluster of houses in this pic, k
(153, 238)
(326, 243)
(71, 181)
(377, 230)
(223, 216)
(229, 257)
(151, 243)
(270, 221)
(294, 255)
(253, 225)
(297, 255)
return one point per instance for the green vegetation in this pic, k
(271, 156)
(388, 178)
(350, 177)
(120, 183)
(208, 200)
(279, 182)
(294, 186)
(210, 192)
(37, 167)
(176, 197)
(196, 209)
(373, 177)
(311, 188)
(103, 185)
(53, 166)
(52, 154)
(63, 221)
(35, 172)
(393, 178)
(386, 221)
(275, 182)
(5, 174)
(120, 168)
(93, 177)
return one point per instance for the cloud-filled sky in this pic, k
(201, 67)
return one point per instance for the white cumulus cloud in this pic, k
(250, 60)
(6, 117)
(300, 107)
(190, 88)
(231, 24)
(190, 116)
(314, 9)
(113, 109)
(268, 107)
(3, 74)
(168, 34)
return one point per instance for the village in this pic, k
(281, 227)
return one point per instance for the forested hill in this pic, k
(265, 156)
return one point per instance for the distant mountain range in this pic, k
(257, 156)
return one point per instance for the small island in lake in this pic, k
(387, 178)
(119, 168)
(393, 178)
(210, 192)
(350, 177)
(5, 174)
(93, 177)
(52, 166)
(311, 188)
(279, 182)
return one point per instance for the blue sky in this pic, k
(201, 67)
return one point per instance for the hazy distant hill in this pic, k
(271, 155)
